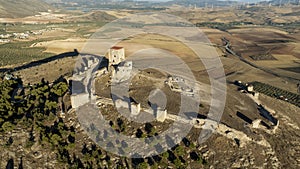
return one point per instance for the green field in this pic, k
(16, 53)
(20, 52)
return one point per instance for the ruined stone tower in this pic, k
(116, 55)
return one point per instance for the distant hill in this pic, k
(96, 16)
(22, 8)
(208, 3)
(282, 2)
(202, 3)
(139, 3)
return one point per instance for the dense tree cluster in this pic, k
(34, 108)
(9, 113)
(37, 102)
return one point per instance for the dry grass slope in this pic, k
(22, 8)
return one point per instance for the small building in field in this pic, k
(250, 88)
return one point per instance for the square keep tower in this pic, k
(116, 55)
